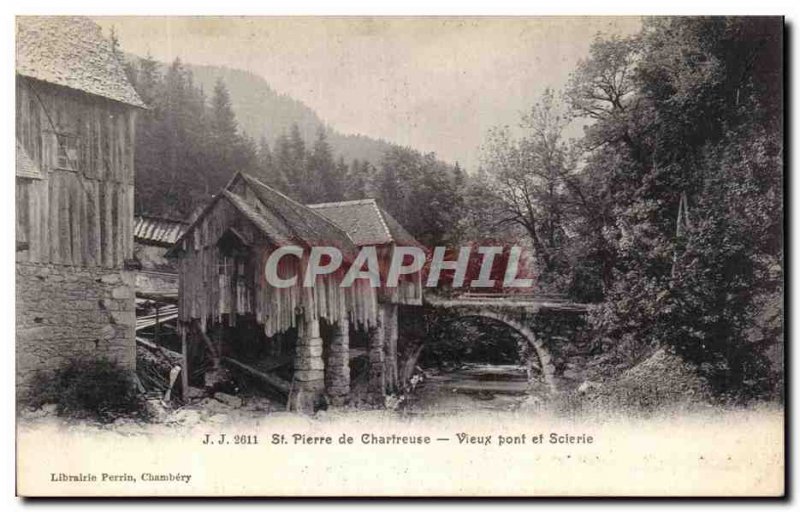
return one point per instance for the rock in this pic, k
(49, 409)
(588, 385)
(195, 393)
(110, 278)
(156, 410)
(42, 412)
(121, 292)
(392, 402)
(531, 404)
(107, 332)
(187, 417)
(207, 402)
(229, 400)
(258, 404)
(211, 406)
(216, 378)
(218, 418)
(126, 427)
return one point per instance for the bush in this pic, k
(89, 389)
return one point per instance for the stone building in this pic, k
(296, 337)
(75, 123)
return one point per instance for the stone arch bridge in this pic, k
(553, 328)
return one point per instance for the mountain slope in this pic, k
(261, 111)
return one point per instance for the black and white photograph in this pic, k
(399, 256)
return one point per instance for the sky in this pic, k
(435, 84)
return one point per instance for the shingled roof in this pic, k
(157, 230)
(366, 222)
(72, 52)
(281, 219)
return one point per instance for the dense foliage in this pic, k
(93, 388)
(668, 211)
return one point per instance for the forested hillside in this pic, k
(190, 142)
(262, 112)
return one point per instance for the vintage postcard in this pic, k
(399, 256)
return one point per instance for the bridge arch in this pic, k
(548, 370)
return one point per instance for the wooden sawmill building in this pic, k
(230, 314)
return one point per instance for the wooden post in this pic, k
(185, 369)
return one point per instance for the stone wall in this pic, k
(570, 347)
(564, 348)
(66, 312)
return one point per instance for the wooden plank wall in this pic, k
(82, 216)
(206, 296)
(409, 288)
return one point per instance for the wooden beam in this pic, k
(207, 340)
(172, 356)
(274, 381)
(185, 368)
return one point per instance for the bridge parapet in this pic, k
(530, 303)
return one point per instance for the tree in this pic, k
(695, 179)
(223, 120)
(225, 144)
(292, 163)
(326, 184)
(360, 176)
(529, 177)
(186, 147)
(268, 169)
(419, 191)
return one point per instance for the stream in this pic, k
(471, 387)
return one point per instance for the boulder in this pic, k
(196, 393)
(49, 409)
(229, 400)
(187, 417)
(156, 410)
(218, 419)
(588, 385)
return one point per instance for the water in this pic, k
(472, 387)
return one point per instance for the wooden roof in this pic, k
(157, 230)
(71, 51)
(366, 222)
(280, 219)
